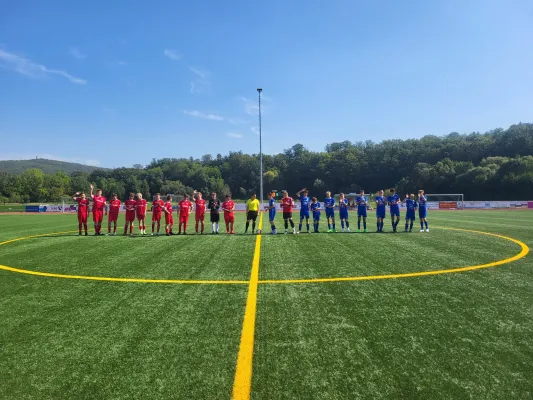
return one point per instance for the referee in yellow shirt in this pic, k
(252, 209)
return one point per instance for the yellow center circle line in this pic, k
(524, 251)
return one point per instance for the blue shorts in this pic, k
(304, 214)
(361, 212)
(343, 213)
(410, 215)
(316, 216)
(381, 213)
(422, 212)
(271, 215)
(330, 213)
(395, 212)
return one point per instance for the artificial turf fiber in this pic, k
(462, 335)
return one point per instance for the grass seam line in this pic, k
(243, 372)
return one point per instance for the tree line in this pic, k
(496, 165)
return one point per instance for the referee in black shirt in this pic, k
(214, 207)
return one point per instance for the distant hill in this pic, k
(47, 166)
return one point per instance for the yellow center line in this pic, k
(243, 373)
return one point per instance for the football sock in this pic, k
(253, 226)
(85, 226)
(196, 227)
(79, 228)
(217, 226)
(406, 225)
(292, 223)
(347, 224)
(421, 224)
(342, 223)
(202, 226)
(411, 225)
(364, 224)
(329, 225)
(358, 224)
(300, 226)
(307, 226)
(286, 224)
(426, 224)
(379, 225)
(334, 225)
(247, 226)
(213, 229)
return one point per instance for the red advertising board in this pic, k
(447, 204)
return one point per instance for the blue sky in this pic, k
(118, 83)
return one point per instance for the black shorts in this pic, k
(287, 215)
(251, 215)
(215, 217)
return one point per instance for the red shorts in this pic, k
(156, 216)
(169, 219)
(130, 216)
(82, 218)
(200, 217)
(112, 217)
(229, 218)
(184, 218)
(141, 216)
(98, 216)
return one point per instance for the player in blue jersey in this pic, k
(343, 212)
(411, 205)
(381, 210)
(423, 210)
(272, 212)
(305, 201)
(394, 203)
(315, 209)
(361, 202)
(329, 205)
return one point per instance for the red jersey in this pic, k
(130, 205)
(200, 206)
(83, 205)
(157, 206)
(168, 206)
(287, 203)
(98, 203)
(185, 206)
(114, 206)
(140, 206)
(228, 205)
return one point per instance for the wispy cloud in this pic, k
(251, 107)
(27, 67)
(255, 130)
(234, 135)
(199, 114)
(172, 54)
(76, 53)
(201, 82)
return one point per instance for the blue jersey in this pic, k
(381, 203)
(272, 209)
(343, 208)
(410, 205)
(329, 205)
(304, 202)
(393, 201)
(361, 201)
(422, 201)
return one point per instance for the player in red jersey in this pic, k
(169, 219)
(140, 209)
(287, 203)
(185, 208)
(114, 208)
(229, 218)
(201, 206)
(158, 206)
(130, 214)
(83, 210)
(99, 208)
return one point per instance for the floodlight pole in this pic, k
(259, 90)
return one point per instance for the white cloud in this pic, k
(201, 82)
(234, 135)
(172, 54)
(29, 68)
(255, 129)
(199, 114)
(76, 53)
(25, 156)
(251, 107)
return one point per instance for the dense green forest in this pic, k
(496, 165)
(47, 166)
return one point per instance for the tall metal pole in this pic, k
(259, 90)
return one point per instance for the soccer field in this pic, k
(327, 316)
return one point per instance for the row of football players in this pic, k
(311, 206)
(136, 208)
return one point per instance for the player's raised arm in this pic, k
(92, 188)
(76, 196)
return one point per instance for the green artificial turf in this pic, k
(462, 335)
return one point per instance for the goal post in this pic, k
(446, 201)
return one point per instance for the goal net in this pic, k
(445, 201)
